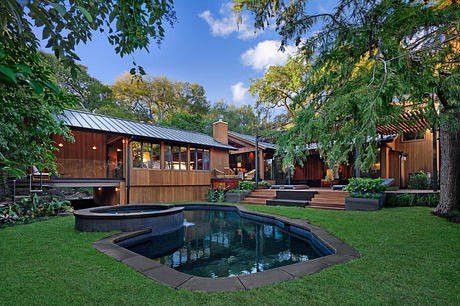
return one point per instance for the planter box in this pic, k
(236, 197)
(364, 203)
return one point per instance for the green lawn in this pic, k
(408, 257)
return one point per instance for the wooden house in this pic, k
(407, 146)
(132, 162)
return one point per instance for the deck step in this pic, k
(330, 204)
(324, 207)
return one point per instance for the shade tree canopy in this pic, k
(373, 60)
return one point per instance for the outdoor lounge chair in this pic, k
(37, 175)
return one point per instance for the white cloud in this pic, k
(267, 54)
(239, 91)
(227, 23)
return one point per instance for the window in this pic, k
(146, 155)
(177, 158)
(414, 136)
(168, 157)
(137, 153)
(199, 159)
(183, 158)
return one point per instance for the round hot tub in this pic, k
(161, 218)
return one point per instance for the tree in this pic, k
(91, 93)
(280, 85)
(30, 99)
(151, 99)
(373, 61)
(192, 98)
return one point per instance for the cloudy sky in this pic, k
(205, 46)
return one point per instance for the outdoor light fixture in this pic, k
(116, 189)
(60, 145)
(118, 150)
(94, 148)
(123, 141)
(238, 165)
(100, 188)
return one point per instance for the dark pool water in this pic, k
(222, 244)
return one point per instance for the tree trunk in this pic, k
(449, 168)
(2, 186)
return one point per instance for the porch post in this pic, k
(256, 161)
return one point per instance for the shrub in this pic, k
(246, 185)
(366, 195)
(366, 185)
(264, 184)
(412, 199)
(216, 195)
(237, 191)
(418, 181)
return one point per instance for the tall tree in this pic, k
(151, 99)
(373, 61)
(30, 99)
(280, 85)
(91, 93)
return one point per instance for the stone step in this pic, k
(329, 198)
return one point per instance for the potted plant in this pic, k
(365, 194)
(236, 195)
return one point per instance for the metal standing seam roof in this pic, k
(252, 139)
(102, 123)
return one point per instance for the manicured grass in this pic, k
(408, 257)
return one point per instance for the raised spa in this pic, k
(161, 219)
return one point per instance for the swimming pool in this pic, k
(228, 248)
(220, 243)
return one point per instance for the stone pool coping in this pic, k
(342, 253)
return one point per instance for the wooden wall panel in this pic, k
(78, 159)
(419, 155)
(312, 169)
(144, 177)
(219, 159)
(167, 194)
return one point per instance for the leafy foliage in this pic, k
(412, 199)
(366, 185)
(29, 101)
(246, 185)
(418, 181)
(216, 195)
(129, 25)
(279, 87)
(365, 195)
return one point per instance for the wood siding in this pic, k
(312, 170)
(79, 159)
(419, 157)
(167, 194)
(219, 159)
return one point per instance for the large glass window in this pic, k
(156, 156)
(146, 155)
(168, 157)
(137, 154)
(179, 158)
(183, 158)
(200, 159)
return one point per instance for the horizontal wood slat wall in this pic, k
(167, 194)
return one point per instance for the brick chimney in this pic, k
(220, 131)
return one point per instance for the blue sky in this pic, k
(205, 46)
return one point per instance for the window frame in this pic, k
(152, 163)
(194, 158)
